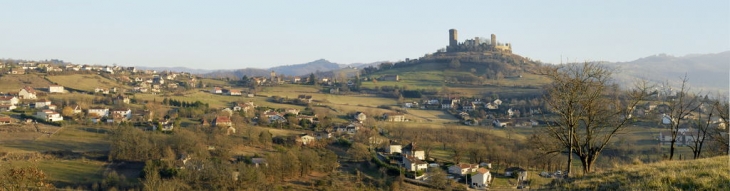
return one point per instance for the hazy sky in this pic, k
(262, 34)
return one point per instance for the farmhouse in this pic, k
(9, 100)
(305, 98)
(223, 121)
(393, 148)
(98, 112)
(122, 113)
(49, 115)
(42, 103)
(216, 90)
(482, 178)
(17, 71)
(463, 169)
(394, 117)
(5, 120)
(27, 93)
(412, 150)
(4, 108)
(360, 116)
(305, 139)
(55, 89)
(414, 164)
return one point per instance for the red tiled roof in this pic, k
(482, 170)
(222, 119)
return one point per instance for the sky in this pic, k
(264, 34)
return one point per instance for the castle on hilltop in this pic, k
(476, 44)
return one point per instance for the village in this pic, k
(112, 104)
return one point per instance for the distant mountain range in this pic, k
(317, 66)
(709, 73)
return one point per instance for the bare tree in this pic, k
(719, 135)
(699, 137)
(590, 110)
(681, 106)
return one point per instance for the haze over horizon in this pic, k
(233, 35)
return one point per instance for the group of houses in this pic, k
(29, 98)
(229, 92)
(412, 159)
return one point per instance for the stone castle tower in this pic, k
(453, 38)
(476, 44)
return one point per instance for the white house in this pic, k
(462, 169)
(390, 149)
(412, 150)
(122, 112)
(27, 93)
(7, 107)
(413, 164)
(497, 102)
(55, 89)
(42, 103)
(98, 111)
(481, 179)
(306, 139)
(360, 116)
(216, 90)
(9, 100)
(394, 117)
(49, 115)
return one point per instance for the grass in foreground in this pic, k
(701, 174)
(65, 172)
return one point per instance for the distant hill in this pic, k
(237, 73)
(175, 69)
(320, 65)
(707, 72)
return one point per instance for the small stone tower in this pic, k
(494, 40)
(453, 38)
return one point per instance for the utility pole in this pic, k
(570, 153)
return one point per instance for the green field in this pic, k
(13, 83)
(435, 76)
(63, 173)
(71, 137)
(85, 82)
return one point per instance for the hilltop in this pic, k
(700, 174)
(706, 72)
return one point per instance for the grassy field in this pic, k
(434, 76)
(85, 82)
(701, 174)
(213, 82)
(71, 137)
(13, 83)
(214, 100)
(63, 173)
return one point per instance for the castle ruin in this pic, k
(476, 44)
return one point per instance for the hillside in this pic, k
(237, 73)
(13, 83)
(706, 72)
(320, 65)
(476, 73)
(85, 82)
(701, 174)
